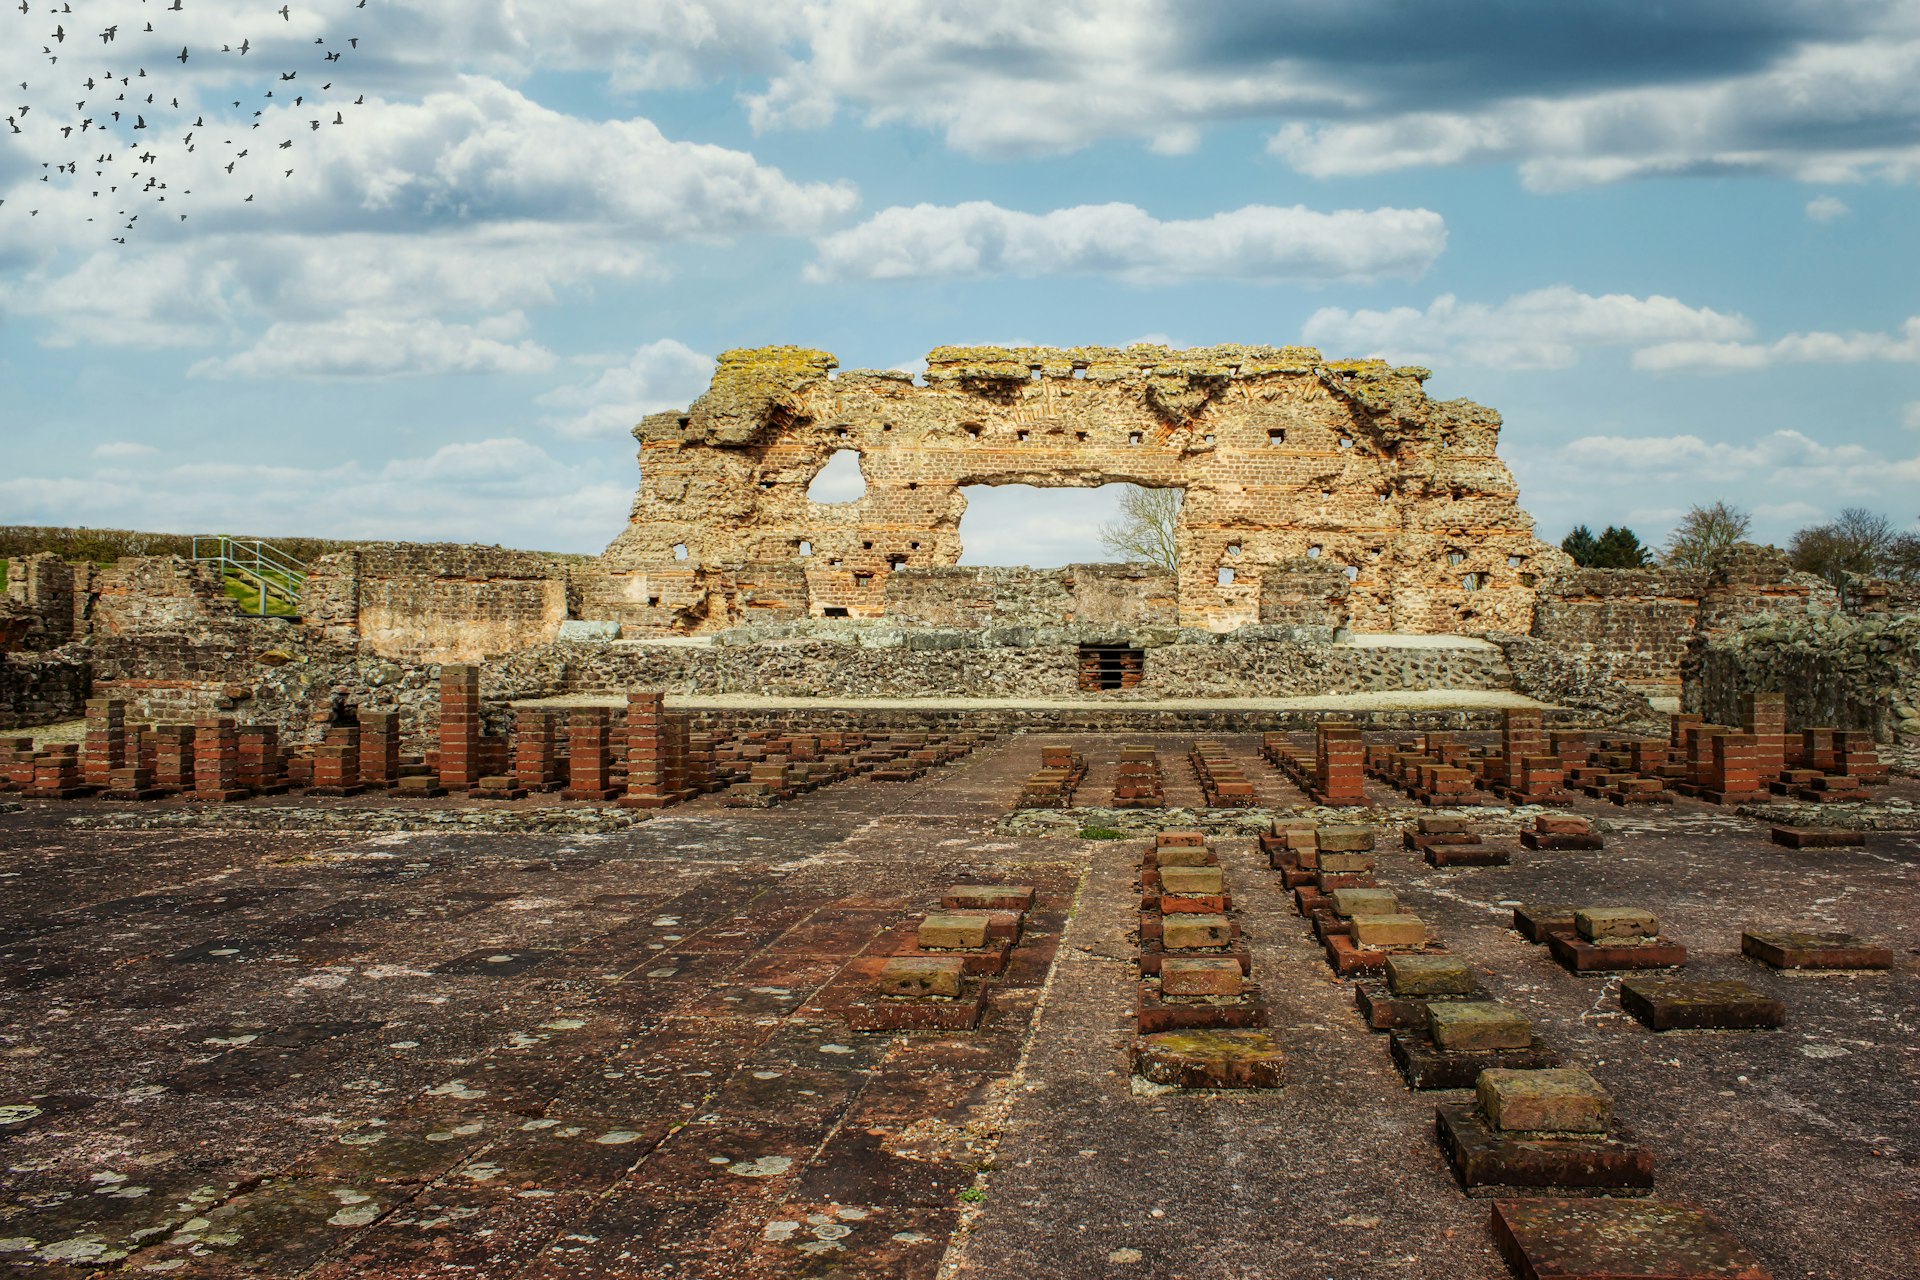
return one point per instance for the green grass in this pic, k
(1101, 833)
(244, 591)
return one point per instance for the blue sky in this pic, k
(1673, 244)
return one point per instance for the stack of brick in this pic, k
(379, 750)
(1221, 780)
(336, 763)
(16, 764)
(1529, 775)
(935, 977)
(1856, 756)
(649, 754)
(537, 756)
(57, 773)
(1561, 832)
(106, 741)
(1733, 772)
(459, 737)
(216, 762)
(589, 755)
(1339, 776)
(1193, 970)
(1764, 716)
(1138, 782)
(1452, 842)
(173, 757)
(262, 769)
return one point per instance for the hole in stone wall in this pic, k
(1033, 372)
(862, 579)
(972, 428)
(679, 551)
(1206, 439)
(1233, 549)
(1313, 553)
(1346, 442)
(866, 546)
(653, 602)
(1110, 666)
(1385, 495)
(841, 480)
(896, 563)
(1079, 371)
(1080, 436)
(1021, 436)
(1044, 527)
(1472, 582)
(1455, 558)
(1225, 576)
(1276, 435)
(1374, 552)
(1353, 572)
(1514, 562)
(840, 432)
(1134, 437)
(806, 548)
(834, 611)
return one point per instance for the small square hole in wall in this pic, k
(1206, 439)
(1081, 436)
(1455, 557)
(862, 579)
(653, 602)
(1313, 553)
(971, 428)
(1033, 372)
(834, 611)
(1353, 572)
(1514, 562)
(914, 545)
(896, 563)
(1374, 552)
(679, 551)
(1021, 436)
(1233, 549)
(766, 484)
(1134, 437)
(1472, 582)
(806, 548)
(1276, 435)
(1385, 495)
(1346, 442)
(1226, 575)
(886, 426)
(866, 546)
(1079, 371)
(840, 432)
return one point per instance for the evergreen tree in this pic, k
(1619, 548)
(1581, 545)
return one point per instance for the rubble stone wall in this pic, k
(43, 686)
(1635, 625)
(1282, 455)
(1836, 671)
(977, 596)
(439, 603)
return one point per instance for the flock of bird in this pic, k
(127, 135)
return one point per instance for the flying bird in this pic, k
(283, 12)
(183, 53)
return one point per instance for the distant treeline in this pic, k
(104, 546)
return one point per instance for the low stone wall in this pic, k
(43, 687)
(1835, 671)
(932, 664)
(978, 596)
(1095, 719)
(1633, 625)
(438, 603)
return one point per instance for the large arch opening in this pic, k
(841, 480)
(1047, 527)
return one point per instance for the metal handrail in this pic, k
(271, 569)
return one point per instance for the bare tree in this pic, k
(1855, 541)
(1147, 528)
(1705, 535)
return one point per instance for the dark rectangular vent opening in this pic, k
(1110, 666)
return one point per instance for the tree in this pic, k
(1705, 535)
(1855, 541)
(1619, 548)
(1582, 546)
(1902, 562)
(1147, 527)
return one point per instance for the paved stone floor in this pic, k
(232, 1052)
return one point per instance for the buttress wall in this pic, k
(1283, 456)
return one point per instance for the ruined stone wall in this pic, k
(438, 603)
(1282, 456)
(39, 609)
(1836, 671)
(1635, 625)
(1128, 595)
(43, 686)
(1304, 593)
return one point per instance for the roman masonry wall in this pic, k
(439, 603)
(1282, 455)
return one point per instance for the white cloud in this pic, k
(112, 449)
(503, 490)
(1795, 348)
(661, 375)
(1822, 113)
(1910, 416)
(1257, 243)
(360, 345)
(1780, 460)
(1827, 208)
(1544, 329)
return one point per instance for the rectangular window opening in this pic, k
(1108, 667)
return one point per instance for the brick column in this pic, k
(173, 757)
(263, 770)
(216, 761)
(1340, 764)
(336, 763)
(56, 773)
(536, 749)
(1521, 736)
(459, 727)
(649, 755)
(379, 749)
(106, 741)
(1764, 715)
(589, 759)
(1734, 772)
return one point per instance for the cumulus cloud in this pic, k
(111, 449)
(1785, 459)
(1825, 112)
(1258, 243)
(1910, 416)
(503, 490)
(359, 345)
(1795, 348)
(1544, 329)
(660, 375)
(1827, 208)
